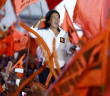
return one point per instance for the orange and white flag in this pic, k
(67, 25)
(19, 5)
(91, 16)
(2, 2)
(88, 71)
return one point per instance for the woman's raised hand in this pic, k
(42, 18)
(39, 22)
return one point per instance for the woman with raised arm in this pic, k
(48, 32)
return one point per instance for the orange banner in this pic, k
(14, 42)
(91, 16)
(19, 5)
(2, 2)
(87, 71)
(67, 25)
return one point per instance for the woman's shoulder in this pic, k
(41, 29)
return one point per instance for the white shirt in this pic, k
(61, 47)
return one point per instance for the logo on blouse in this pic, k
(62, 40)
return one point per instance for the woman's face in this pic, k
(54, 20)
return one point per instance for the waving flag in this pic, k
(2, 2)
(19, 5)
(89, 72)
(91, 16)
(67, 25)
(14, 42)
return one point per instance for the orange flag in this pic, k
(20, 40)
(107, 93)
(3, 47)
(14, 42)
(91, 16)
(19, 5)
(2, 2)
(9, 41)
(67, 25)
(33, 46)
(83, 75)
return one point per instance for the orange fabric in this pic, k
(83, 76)
(33, 43)
(81, 92)
(94, 52)
(21, 43)
(2, 34)
(107, 89)
(67, 25)
(33, 46)
(14, 42)
(42, 24)
(2, 2)
(107, 93)
(3, 47)
(105, 54)
(95, 91)
(91, 78)
(91, 16)
(19, 5)
(9, 41)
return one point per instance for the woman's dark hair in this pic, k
(47, 17)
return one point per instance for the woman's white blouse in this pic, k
(62, 44)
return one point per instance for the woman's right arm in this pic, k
(39, 22)
(35, 27)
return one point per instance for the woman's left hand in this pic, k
(74, 48)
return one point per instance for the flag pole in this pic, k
(71, 21)
(41, 13)
(41, 8)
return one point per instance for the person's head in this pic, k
(52, 19)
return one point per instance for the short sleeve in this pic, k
(39, 31)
